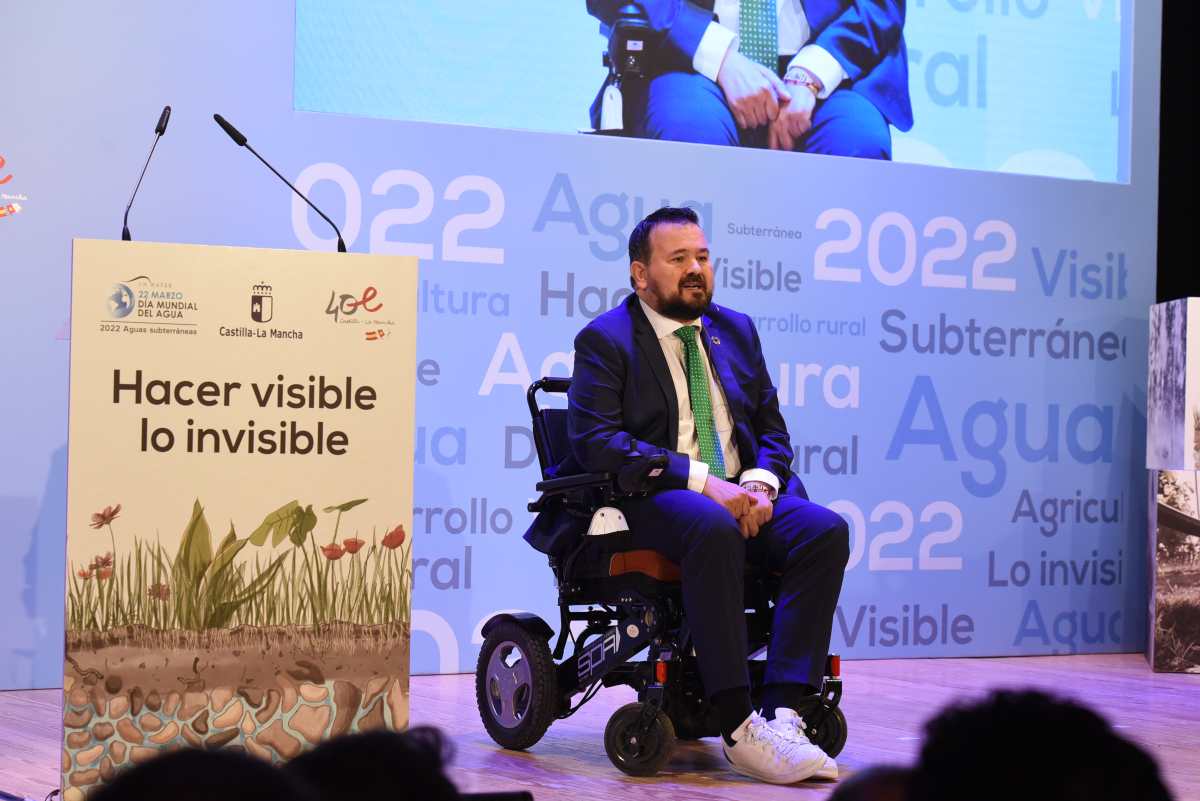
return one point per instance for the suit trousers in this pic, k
(687, 107)
(805, 542)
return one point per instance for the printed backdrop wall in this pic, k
(960, 356)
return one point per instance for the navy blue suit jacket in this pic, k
(865, 36)
(622, 403)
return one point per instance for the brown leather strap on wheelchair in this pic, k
(652, 563)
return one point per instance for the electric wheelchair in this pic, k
(627, 600)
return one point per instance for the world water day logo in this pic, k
(120, 301)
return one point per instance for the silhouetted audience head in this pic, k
(1029, 745)
(378, 764)
(880, 783)
(198, 775)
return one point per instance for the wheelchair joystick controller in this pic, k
(640, 473)
(627, 58)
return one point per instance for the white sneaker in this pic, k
(768, 754)
(791, 725)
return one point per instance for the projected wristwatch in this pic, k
(798, 76)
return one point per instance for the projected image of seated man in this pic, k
(817, 76)
(670, 372)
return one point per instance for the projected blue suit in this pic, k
(622, 402)
(866, 37)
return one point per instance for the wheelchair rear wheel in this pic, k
(516, 686)
(825, 726)
(634, 751)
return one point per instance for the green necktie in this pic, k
(758, 29)
(706, 431)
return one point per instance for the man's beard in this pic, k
(679, 309)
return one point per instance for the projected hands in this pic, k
(758, 97)
(794, 119)
(753, 92)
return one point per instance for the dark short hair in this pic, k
(877, 783)
(1026, 744)
(639, 240)
(199, 775)
(379, 764)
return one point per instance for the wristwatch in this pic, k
(759, 486)
(798, 76)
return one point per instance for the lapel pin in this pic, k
(715, 340)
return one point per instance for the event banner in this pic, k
(1173, 386)
(1172, 451)
(239, 500)
(1174, 644)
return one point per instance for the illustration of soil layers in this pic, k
(239, 502)
(269, 642)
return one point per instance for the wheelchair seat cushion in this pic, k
(644, 560)
(612, 555)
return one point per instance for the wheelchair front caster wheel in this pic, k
(516, 686)
(635, 748)
(825, 726)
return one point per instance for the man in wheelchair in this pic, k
(673, 451)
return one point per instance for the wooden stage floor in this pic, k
(885, 702)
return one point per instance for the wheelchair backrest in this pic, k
(549, 424)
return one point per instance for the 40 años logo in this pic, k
(344, 305)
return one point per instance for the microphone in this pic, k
(159, 130)
(163, 119)
(239, 139)
(234, 133)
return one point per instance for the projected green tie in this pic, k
(758, 29)
(706, 431)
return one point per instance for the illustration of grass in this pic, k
(242, 582)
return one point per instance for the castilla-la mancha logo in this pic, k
(262, 304)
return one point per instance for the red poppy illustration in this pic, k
(104, 573)
(84, 574)
(102, 561)
(159, 592)
(106, 516)
(333, 551)
(394, 538)
(353, 545)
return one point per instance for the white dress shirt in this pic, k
(794, 33)
(688, 444)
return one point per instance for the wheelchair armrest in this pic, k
(557, 486)
(567, 485)
(635, 478)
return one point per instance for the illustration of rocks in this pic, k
(109, 727)
(268, 643)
